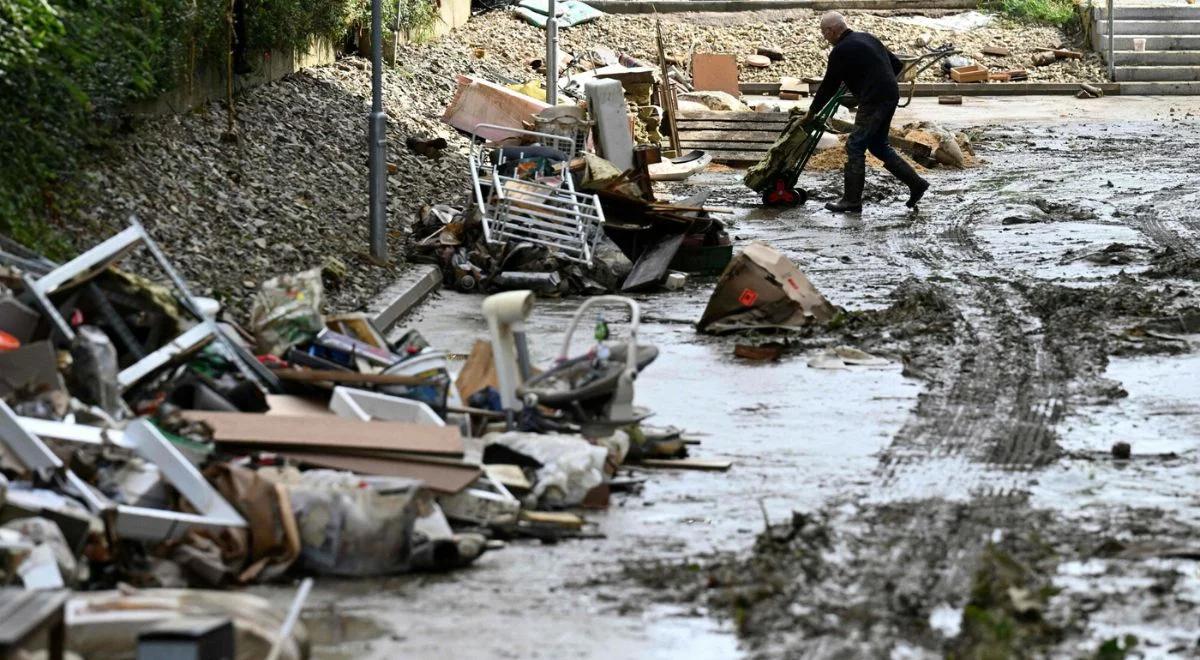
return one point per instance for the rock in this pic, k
(1122, 451)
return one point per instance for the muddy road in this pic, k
(963, 501)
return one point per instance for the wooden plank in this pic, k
(289, 404)
(768, 89)
(330, 376)
(738, 156)
(777, 127)
(440, 477)
(328, 433)
(724, 146)
(711, 465)
(729, 136)
(556, 518)
(735, 116)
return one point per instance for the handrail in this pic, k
(1112, 38)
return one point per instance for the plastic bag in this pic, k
(287, 311)
(352, 525)
(571, 466)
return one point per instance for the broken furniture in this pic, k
(521, 201)
(31, 622)
(500, 111)
(595, 390)
(21, 435)
(96, 260)
(427, 452)
(606, 102)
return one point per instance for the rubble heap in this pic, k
(793, 33)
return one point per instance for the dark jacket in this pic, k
(867, 68)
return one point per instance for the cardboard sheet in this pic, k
(439, 477)
(330, 434)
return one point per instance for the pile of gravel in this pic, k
(511, 40)
(292, 194)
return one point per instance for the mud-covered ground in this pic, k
(992, 526)
(963, 501)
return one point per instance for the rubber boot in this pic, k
(905, 172)
(851, 201)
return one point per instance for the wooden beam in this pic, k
(698, 125)
(735, 116)
(732, 137)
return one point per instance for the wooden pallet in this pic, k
(731, 137)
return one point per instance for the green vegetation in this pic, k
(1054, 12)
(1003, 618)
(69, 69)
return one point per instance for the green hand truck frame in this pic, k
(782, 190)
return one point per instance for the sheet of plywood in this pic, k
(289, 404)
(479, 371)
(332, 434)
(716, 72)
(687, 464)
(557, 518)
(439, 477)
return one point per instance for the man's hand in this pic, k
(809, 119)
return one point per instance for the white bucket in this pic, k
(1139, 45)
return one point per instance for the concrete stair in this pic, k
(1170, 63)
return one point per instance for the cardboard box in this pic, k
(763, 287)
(969, 74)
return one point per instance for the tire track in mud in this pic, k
(861, 577)
(960, 468)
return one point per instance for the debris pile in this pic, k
(150, 441)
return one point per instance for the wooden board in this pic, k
(689, 135)
(439, 477)
(478, 372)
(714, 147)
(331, 434)
(737, 156)
(715, 72)
(709, 125)
(732, 137)
(735, 116)
(652, 266)
(556, 518)
(687, 464)
(288, 404)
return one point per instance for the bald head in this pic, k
(833, 26)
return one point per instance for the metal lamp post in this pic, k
(551, 55)
(377, 140)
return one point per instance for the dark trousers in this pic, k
(870, 133)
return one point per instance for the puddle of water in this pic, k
(336, 634)
(1160, 416)
(1040, 250)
